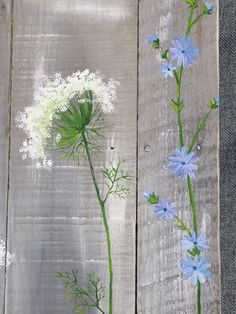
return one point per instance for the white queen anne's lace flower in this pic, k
(53, 98)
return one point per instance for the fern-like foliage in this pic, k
(116, 180)
(82, 298)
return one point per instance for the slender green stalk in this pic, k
(190, 21)
(199, 307)
(193, 204)
(196, 20)
(178, 77)
(201, 127)
(103, 210)
(179, 84)
(180, 123)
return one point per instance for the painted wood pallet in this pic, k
(51, 220)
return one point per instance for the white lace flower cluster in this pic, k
(5, 258)
(52, 98)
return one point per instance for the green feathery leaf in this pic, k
(82, 298)
(116, 180)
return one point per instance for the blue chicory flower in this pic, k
(184, 51)
(152, 38)
(183, 164)
(210, 7)
(165, 209)
(167, 70)
(195, 269)
(194, 241)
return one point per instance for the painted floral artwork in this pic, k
(69, 117)
(109, 154)
(182, 54)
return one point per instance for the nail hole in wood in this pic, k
(199, 149)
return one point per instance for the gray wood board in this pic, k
(5, 43)
(161, 288)
(54, 219)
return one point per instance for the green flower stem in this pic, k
(193, 204)
(200, 128)
(178, 77)
(179, 83)
(105, 223)
(180, 123)
(196, 20)
(190, 21)
(199, 307)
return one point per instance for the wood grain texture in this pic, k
(5, 48)
(161, 288)
(54, 218)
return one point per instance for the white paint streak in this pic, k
(119, 217)
(163, 29)
(44, 261)
(41, 36)
(111, 12)
(58, 218)
(38, 74)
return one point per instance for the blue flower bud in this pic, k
(215, 102)
(154, 41)
(208, 8)
(151, 198)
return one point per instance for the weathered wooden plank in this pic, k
(160, 286)
(5, 43)
(55, 222)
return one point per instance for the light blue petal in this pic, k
(187, 245)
